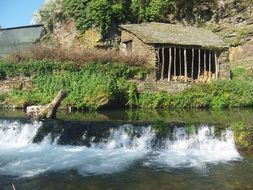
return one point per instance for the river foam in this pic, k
(124, 146)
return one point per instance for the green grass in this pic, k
(217, 95)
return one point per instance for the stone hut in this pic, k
(178, 53)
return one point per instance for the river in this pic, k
(122, 149)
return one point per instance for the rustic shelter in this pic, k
(178, 53)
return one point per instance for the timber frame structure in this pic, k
(178, 53)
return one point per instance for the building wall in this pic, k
(19, 38)
(138, 47)
(224, 64)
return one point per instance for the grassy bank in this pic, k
(98, 85)
(218, 94)
(90, 85)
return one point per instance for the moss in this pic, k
(175, 34)
(190, 130)
(243, 136)
(160, 127)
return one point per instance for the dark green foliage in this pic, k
(96, 13)
(104, 13)
(2, 74)
(151, 10)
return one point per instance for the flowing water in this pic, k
(105, 155)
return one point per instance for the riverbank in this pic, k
(103, 85)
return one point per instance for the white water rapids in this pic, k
(20, 157)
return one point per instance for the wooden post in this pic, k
(158, 62)
(192, 64)
(185, 66)
(216, 65)
(210, 62)
(204, 61)
(169, 69)
(162, 72)
(175, 62)
(199, 64)
(180, 63)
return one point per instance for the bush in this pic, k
(90, 86)
(243, 136)
(217, 95)
(2, 74)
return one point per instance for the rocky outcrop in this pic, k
(65, 35)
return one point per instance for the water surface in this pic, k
(111, 151)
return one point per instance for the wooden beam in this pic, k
(204, 60)
(169, 69)
(163, 58)
(180, 63)
(174, 61)
(158, 62)
(199, 64)
(192, 64)
(210, 62)
(216, 65)
(185, 66)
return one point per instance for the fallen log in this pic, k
(48, 111)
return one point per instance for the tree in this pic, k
(97, 13)
(150, 10)
(50, 13)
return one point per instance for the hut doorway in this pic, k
(185, 64)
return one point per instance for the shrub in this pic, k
(243, 136)
(90, 86)
(217, 95)
(2, 74)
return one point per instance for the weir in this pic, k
(94, 150)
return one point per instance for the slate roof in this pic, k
(161, 33)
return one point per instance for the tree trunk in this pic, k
(48, 111)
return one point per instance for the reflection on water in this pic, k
(111, 155)
(184, 116)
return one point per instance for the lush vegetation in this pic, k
(90, 86)
(102, 84)
(243, 136)
(217, 95)
(103, 14)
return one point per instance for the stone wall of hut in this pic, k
(138, 47)
(224, 64)
(148, 51)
